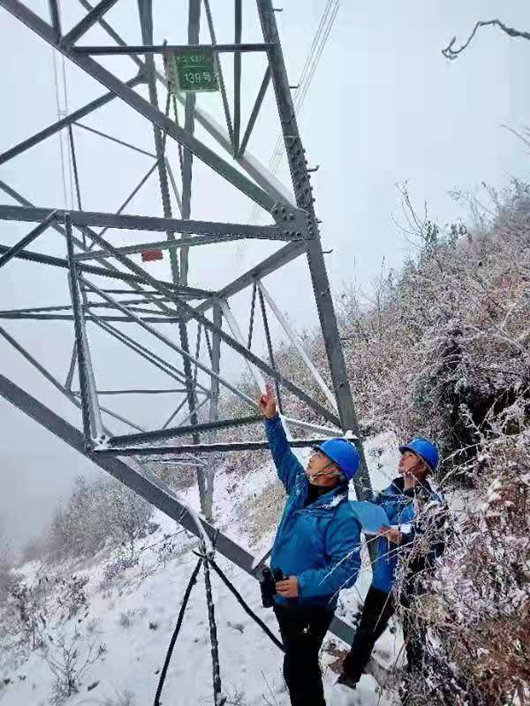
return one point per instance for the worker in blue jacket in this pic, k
(409, 502)
(317, 548)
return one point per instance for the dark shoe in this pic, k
(345, 680)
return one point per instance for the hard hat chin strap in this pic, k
(324, 472)
(421, 465)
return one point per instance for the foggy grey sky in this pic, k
(384, 107)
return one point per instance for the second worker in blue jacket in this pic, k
(417, 518)
(317, 547)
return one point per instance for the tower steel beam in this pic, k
(213, 411)
(128, 439)
(219, 69)
(68, 307)
(168, 342)
(24, 202)
(87, 22)
(27, 239)
(216, 447)
(194, 19)
(270, 264)
(193, 241)
(304, 201)
(64, 122)
(15, 315)
(123, 143)
(61, 262)
(107, 270)
(247, 162)
(255, 111)
(149, 223)
(146, 23)
(138, 392)
(238, 25)
(174, 414)
(147, 354)
(121, 419)
(151, 489)
(200, 318)
(142, 106)
(55, 18)
(133, 193)
(40, 368)
(145, 8)
(191, 48)
(92, 424)
(295, 341)
(294, 223)
(270, 349)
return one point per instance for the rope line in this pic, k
(219, 699)
(206, 561)
(173, 640)
(245, 606)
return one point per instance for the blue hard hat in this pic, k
(343, 453)
(425, 449)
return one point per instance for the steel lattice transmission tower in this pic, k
(114, 293)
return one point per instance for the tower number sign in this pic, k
(191, 71)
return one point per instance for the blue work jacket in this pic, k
(401, 507)
(319, 542)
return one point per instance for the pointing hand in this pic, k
(267, 402)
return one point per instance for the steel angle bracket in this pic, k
(294, 223)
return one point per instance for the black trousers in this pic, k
(377, 611)
(303, 629)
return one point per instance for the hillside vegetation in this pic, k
(441, 349)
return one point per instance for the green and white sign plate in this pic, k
(191, 72)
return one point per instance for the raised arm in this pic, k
(288, 466)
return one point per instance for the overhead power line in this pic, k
(320, 39)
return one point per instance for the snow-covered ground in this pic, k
(134, 614)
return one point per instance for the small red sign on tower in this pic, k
(151, 255)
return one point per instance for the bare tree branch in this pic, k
(524, 137)
(450, 53)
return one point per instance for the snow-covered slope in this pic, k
(132, 612)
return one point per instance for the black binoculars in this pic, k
(268, 585)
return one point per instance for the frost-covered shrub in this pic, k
(32, 607)
(25, 616)
(474, 611)
(439, 349)
(126, 619)
(115, 569)
(118, 566)
(237, 698)
(5, 566)
(169, 548)
(70, 596)
(70, 654)
(99, 513)
(443, 347)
